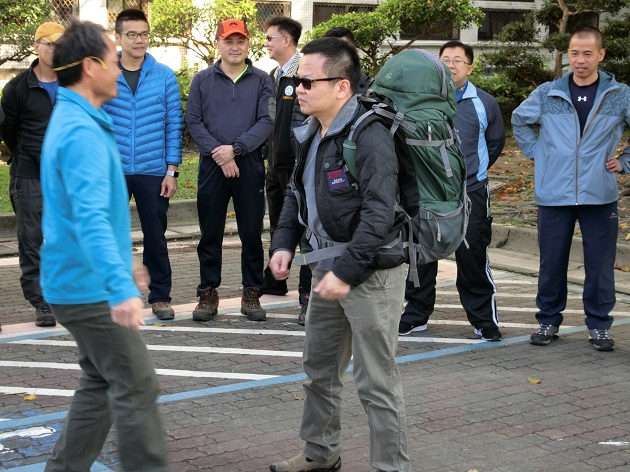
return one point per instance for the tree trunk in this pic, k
(562, 28)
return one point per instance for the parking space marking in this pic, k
(171, 372)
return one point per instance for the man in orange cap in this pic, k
(228, 118)
(27, 101)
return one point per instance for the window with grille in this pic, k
(324, 11)
(266, 10)
(495, 20)
(438, 31)
(114, 7)
(64, 10)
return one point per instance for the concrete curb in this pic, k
(512, 248)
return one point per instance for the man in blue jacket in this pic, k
(482, 134)
(88, 274)
(228, 118)
(580, 119)
(148, 120)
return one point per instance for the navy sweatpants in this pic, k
(599, 227)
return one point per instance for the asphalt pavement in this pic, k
(231, 388)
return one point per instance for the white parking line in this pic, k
(172, 372)
(155, 347)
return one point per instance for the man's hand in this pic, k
(613, 165)
(279, 264)
(230, 170)
(223, 154)
(128, 313)
(141, 276)
(332, 288)
(169, 186)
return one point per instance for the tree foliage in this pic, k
(370, 31)
(18, 21)
(519, 67)
(617, 43)
(568, 15)
(382, 26)
(194, 25)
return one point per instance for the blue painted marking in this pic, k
(96, 467)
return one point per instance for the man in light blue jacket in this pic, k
(580, 119)
(148, 120)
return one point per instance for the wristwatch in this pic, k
(172, 173)
(238, 150)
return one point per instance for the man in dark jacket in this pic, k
(228, 118)
(358, 277)
(283, 34)
(27, 101)
(482, 135)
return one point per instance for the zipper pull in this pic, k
(430, 131)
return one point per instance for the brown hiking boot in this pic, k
(208, 305)
(250, 305)
(162, 311)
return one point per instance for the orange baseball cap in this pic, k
(229, 27)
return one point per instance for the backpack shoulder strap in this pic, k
(378, 112)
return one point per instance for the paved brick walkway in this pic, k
(232, 391)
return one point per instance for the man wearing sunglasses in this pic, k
(27, 101)
(358, 277)
(148, 120)
(283, 34)
(228, 118)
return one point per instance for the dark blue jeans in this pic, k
(599, 227)
(152, 209)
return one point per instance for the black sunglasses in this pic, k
(307, 83)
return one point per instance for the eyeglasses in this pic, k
(76, 63)
(308, 83)
(269, 38)
(132, 35)
(455, 62)
(50, 44)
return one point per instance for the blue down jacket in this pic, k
(148, 125)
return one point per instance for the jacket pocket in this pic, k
(336, 178)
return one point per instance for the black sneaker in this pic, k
(491, 334)
(544, 335)
(44, 317)
(405, 328)
(601, 340)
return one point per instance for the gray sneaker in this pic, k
(544, 335)
(301, 463)
(601, 340)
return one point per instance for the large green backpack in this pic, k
(414, 95)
